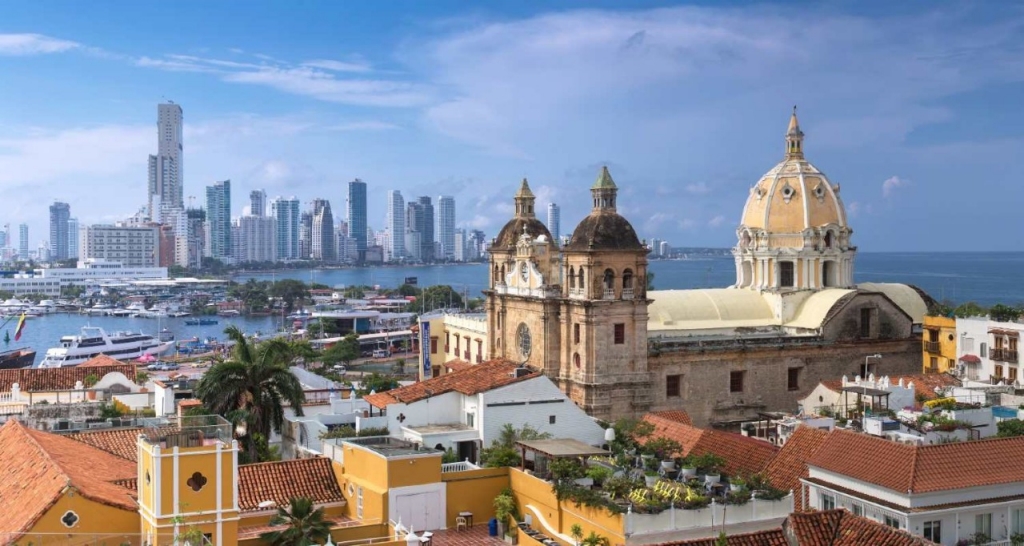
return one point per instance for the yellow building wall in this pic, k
(474, 491)
(561, 516)
(105, 523)
(363, 468)
(947, 353)
(414, 471)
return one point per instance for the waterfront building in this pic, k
(257, 239)
(357, 216)
(555, 222)
(176, 247)
(166, 171)
(425, 225)
(793, 317)
(655, 248)
(396, 226)
(305, 235)
(73, 238)
(460, 245)
(196, 239)
(287, 218)
(60, 213)
(323, 248)
(93, 270)
(23, 242)
(446, 227)
(218, 219)
(132, 246)
(258, 203)
(477, 247)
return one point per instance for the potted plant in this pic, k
(712, 465)
(599, 474)
(504, 508)
(650, 477)
(89, 381)
(689, 467)
(737, 484)
(663, 449)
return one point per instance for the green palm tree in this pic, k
(251, 388)
(305, 526)
(594, 539)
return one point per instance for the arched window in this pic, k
(828, 274)
(576, 360)
(609, 279)
(502, 278)
(579, 279)
(627, 279)
(497, 279)
(572, 277)
(576, 333)
(828, 239)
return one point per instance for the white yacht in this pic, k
(44, 307)
(14, 307)
(93, 341)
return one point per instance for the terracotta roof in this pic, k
(678, 416)
(841, 528)
(100, 361)
(56, 379)
(120, 442)
(456, 365)
(790, 463)
(742, 455)
(475, 379)
(920, 469)
(770, 537)
(39, 465)
(254, 531)
(924, 384)
(280, 481)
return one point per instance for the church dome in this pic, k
(525, 219)
(604, 228)
(792, 197)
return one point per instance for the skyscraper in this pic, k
(323, 246)
(426, 229)
(554, 222)
(218, 218)
(305, 235)
(446, 226)
(396, 226)
(413, 235)
(258, 203)
(286, 214)
(166, 170)
(196, 237)
(60, 213)
(72, 238)
(23, 242)
(357, 216)
(460, 245)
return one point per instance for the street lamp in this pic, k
(867, 359)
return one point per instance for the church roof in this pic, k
(604, 230)
(908, 297)
(604, 180)
(507, 237)
(524, 190)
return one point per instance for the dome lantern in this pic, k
(794, 138)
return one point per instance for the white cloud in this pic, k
(369, 125)
(717, 221)
(687, 224)
(338, 66)
(698, 188)
(892, 183)
(33, 44)
(654, 223)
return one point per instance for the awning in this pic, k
(970, 359)
(565, 447)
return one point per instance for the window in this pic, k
(865, 322)
(793, 381)
(672, 385)
(736, 381)
(1017, 521)
(433, 344)
(984, 350)
(934, 362)
(999, 371)
(786, 279)
(858, 509)
(969, 344)
(892, 521)
(447, 341)
(983, 524)
(551, 419)
(470, 419)
(620, 333)
(828, 501)
(457, 344)
(359, 503)
(575, 333)
(933, 531)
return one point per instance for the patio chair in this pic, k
(461, 523)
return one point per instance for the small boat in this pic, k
(201, 322)
(229, 313)
(17, 358)
(165, 335)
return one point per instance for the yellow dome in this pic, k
(794, 196)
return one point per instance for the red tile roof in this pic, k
(841, 528)
(920, 469)
(280, 481)
(924, 384)
(100, 361)
(770, 537)
(56, 379)
(790, 463)
(38, 466)
(472, 380)
(456, 365)
(742, 455)
(678, 416)
(121, 442)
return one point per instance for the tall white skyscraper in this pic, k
(218, 219)
(286, 214)
(396, 226)
(554, 221)
(460, 245)
(446, 227)
(258, 203)
(73, 237)
(323, 246)
(255, 239)
(23, 242)
(166, 171)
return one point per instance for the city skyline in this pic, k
(381, 94)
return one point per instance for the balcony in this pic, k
(608, 294)
(1003, 355)
(627, 293)
(577, 293)
(931, 346)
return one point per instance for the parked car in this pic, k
(169, 366)
(380, 353)
(155, 366)
(339, 368)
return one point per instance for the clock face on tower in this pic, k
(523, 340)
(524, 272)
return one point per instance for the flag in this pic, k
(21, 326)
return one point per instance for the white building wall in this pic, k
(536, 401)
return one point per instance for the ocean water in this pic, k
(986, 278)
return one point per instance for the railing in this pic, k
(627, 293)
(1004, 355)
(460, 466)
(931, 346)
(608, 294)
(576, 293)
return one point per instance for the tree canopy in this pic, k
(439, 296)
(291, 292)
(345, 350)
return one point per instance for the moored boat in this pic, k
(17, 358)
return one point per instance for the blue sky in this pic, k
(914, 110)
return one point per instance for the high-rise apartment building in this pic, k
(166, 172)
(323, 248)
(286, 216)
(425, 226)
(460, 245)
(73, 238)
(554, 222)
(23, 242)
(258, 203)
(357, 216)
(196, 237)
(60, 213)
(218, 219)
(305, 235)
(256, 239)
(395, 226)
(132, 246)
(446, 227)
